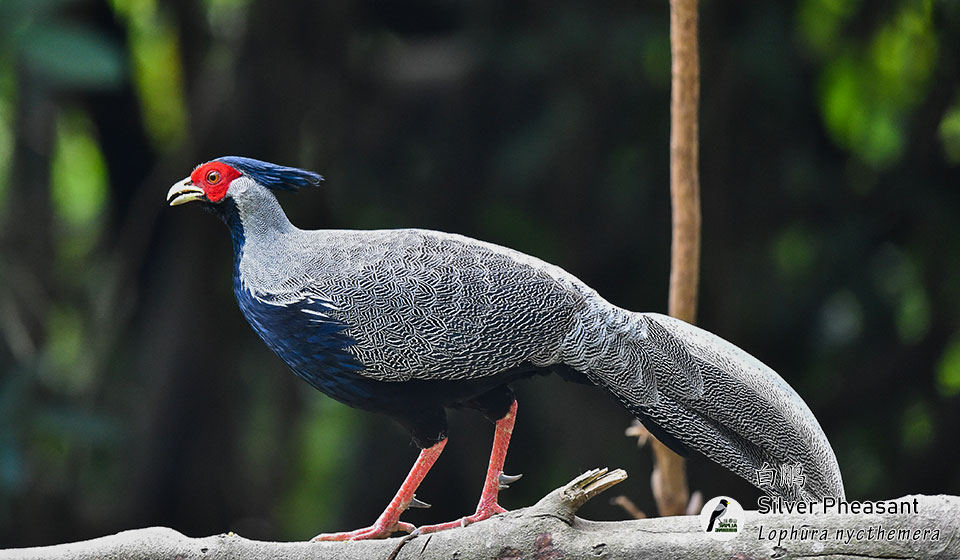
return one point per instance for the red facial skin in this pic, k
(214, 178)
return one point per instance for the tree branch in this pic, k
(550, 530)
(684, 154)
(669, 478)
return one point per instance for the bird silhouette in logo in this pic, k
(717, 512)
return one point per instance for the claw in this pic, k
(505, 480)
(415, 503)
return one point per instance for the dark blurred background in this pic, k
(133, 393)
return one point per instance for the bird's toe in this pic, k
(484, 512)
(375, 531)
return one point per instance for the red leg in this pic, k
(488, 505)
(389, 521)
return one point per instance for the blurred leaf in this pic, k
(78, 192)
(913, 314)
(160, 85)
(853, 119)
(950, 134)
(900, 284)
(948, 373)
(866, 94)
(73, 55)
(640, 51)
(917, 426)
(655, 55)
(903, 55)
(157, 70)
(135, 9)
(794, 251)
(79, 172)
(65, 337)
(69, 369)
(820, 21)
(6, 127)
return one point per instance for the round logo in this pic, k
(721, 518)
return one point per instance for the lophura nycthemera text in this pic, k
(411, 322)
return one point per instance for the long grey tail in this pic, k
(694, 390)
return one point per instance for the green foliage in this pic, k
(899, 282)
(917, 426)
(868, 90)
(6, 127)
(948, 372)
(78, 177)
(655, 55)
(950, 134)
(69, 371)
(155, 55)
(795, 250)
(821, 22)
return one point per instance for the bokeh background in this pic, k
(132, 392)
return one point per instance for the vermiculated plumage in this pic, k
(409, 322)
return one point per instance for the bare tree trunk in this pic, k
(669, 479)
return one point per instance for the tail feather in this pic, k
(716, 441)
(604, 346)
(681, 429)
(708, 395)
(675, 368)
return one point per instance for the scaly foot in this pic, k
(495, 480)
(484, 512)
(389, 521)
(487, 508)
(376, 531)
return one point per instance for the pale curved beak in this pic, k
(184, 192)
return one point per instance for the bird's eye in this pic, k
(213, 177)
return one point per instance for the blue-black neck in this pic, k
(229, 214)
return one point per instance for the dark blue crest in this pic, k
(271, 175)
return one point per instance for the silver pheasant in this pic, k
(409, 322)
